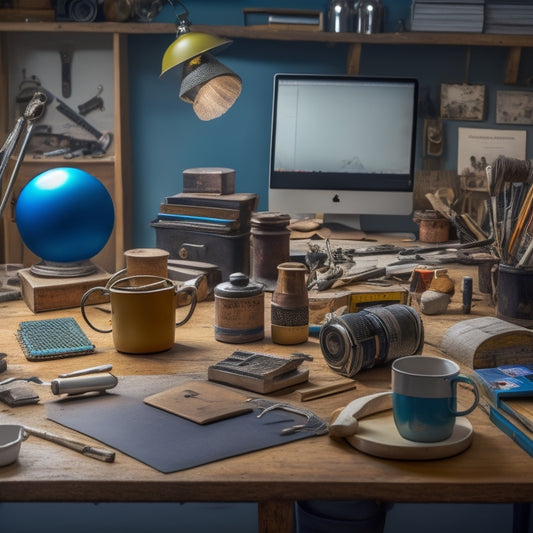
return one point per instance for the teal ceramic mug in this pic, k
(424, 397)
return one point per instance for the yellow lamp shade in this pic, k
(189, 45)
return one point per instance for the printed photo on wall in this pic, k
(479, 147)
(514, 107)
(462, 101)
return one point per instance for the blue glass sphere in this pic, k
(65, 215)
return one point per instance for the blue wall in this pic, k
(167, 137)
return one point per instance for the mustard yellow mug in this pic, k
(143, 312)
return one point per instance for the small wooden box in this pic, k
(209, 180)
(47, 294)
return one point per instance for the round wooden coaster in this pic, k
(377, 435)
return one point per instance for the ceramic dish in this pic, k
(11, 437)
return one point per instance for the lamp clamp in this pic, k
(182, 19)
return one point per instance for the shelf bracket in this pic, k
(353, 61)
(512, 65)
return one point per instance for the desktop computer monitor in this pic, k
(342, 146)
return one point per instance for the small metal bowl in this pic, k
(11, 437)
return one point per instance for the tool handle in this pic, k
(101, 454)
(346, 422)
(85, 371)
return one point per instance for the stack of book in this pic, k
(448, 15)
(515, 17)
(209, 228)
(498, 356)
(506, 394)
(225, 213)
(284, 18)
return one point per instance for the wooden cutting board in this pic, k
(377, 435)
(201, 401)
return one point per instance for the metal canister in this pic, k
(239, 310)
(270, 245)
(340, 16)
(369, 16)
(434, 227)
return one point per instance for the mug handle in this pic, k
(191, 289)
(105, 290)
(465, 379)
(116, 276)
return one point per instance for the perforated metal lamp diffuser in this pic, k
(211, 87)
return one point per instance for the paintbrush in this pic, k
(101, 454)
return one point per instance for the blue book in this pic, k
(511, 430)
(194, 218)
(508, 391)
(509, 388)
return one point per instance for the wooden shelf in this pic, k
(273, 34)
(515, 43)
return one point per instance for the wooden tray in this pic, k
(377, 435)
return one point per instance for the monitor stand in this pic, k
(378, 225)
(349, 222)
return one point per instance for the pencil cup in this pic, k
(424, 397)
(515, 295)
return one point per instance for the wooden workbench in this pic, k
(493, 469)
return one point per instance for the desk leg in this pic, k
(521, 513)
(276, 517)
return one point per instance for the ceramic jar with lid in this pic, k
(239, 310)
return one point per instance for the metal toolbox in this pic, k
(230, 251)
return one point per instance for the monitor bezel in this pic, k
(345, 181)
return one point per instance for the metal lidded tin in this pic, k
(239, 310)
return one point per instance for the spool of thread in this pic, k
(147, 261)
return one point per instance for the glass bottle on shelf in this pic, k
(146, 10)
(340, 16)
(369, 16)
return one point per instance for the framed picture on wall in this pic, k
(462, 101)
(479, 147)
(514, 107)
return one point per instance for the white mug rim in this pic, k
(453, 367)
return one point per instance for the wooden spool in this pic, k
(147, 261)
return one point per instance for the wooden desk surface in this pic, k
(493, 469)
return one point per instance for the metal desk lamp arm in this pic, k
(32, 113)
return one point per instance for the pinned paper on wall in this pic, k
(514, 107)
(462, 101)
(479, 147)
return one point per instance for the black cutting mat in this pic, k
(162, 440)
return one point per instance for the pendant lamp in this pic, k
(207, 84)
